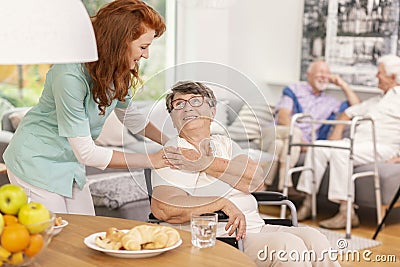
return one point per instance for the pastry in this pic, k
(106, 243)
(139, 237)
(172, 234)
(58, 221)
(112, 239)
(150, 237)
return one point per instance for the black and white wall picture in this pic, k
(350, 35)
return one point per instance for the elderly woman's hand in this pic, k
(237, 220)
(190, 159)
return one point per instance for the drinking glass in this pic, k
(204, 229)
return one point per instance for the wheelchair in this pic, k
(263, 198)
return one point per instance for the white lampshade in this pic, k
(45, 31)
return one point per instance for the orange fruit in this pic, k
(15, 237)
(35, 245)
(10, 219)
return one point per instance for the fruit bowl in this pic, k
(22, 244)
(57, 229)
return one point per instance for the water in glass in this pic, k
(203, 233)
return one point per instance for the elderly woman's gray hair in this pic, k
(190, 87)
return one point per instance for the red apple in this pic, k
(12, 198)
(35, 216)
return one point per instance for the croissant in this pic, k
(149, 237)
(173, 237)
(112, 240)
(114, 234)
(106, 243)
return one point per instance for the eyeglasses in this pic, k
(194, 101)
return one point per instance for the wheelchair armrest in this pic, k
(221, 217)
(152, 219)
(269, 196)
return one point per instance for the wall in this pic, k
(254, 38)
(268, 36)
(259, 38)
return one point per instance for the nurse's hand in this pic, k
(190, 159)
(158, 160)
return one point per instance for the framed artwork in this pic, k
(350, 35)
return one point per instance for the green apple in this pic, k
(35, 216)
(12, 198)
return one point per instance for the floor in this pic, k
(388, 254)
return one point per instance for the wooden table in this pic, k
(67, 248)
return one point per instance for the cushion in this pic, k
(16, 117)
(5, 137)
(4, 106)
(113, 190)
(220, 123)
(249, 122)
(114, 133)
(159, 116)
(235, 105)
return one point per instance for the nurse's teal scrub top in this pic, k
(39, 152)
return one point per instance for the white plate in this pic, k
(58, 229)
(145, 253)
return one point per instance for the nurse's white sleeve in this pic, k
(131, 118)
(88, 153)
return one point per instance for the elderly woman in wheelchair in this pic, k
(219, 176)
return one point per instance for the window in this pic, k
(150, 69)
(22, 85)
(154, 81)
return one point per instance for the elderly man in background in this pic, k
(177, 193)
(309, 98)
(384, 110)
